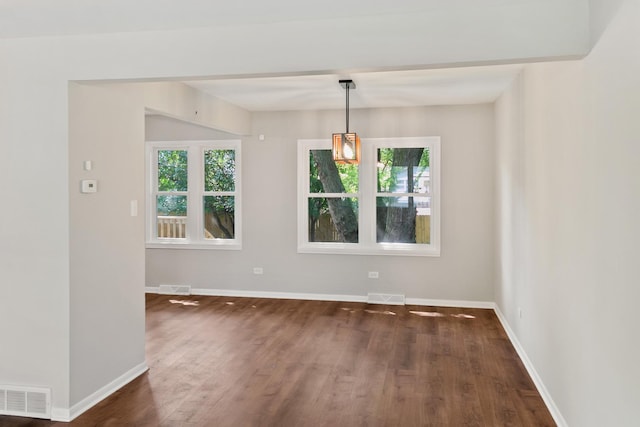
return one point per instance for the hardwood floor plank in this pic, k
(219, 361)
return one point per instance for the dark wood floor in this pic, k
(218, 361)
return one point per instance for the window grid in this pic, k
(195, 235)
(367, 199)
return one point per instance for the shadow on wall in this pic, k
(601, 13)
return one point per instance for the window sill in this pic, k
(229, 246)
(382, 249)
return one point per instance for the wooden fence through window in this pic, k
(325, 231)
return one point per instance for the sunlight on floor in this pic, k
(352, 310)
(387, 312)
(427, 313)
(184, 302)
(436, 314)
(463, 316)
(417, 313)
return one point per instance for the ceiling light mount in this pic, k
(346, 146)
(347, 84)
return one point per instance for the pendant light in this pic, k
(346, 146)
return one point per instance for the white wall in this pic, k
(463, 272)
(107, 302)
(183, 102)
(601, 12)
(163, 128)
(568, 201)
(34, 228)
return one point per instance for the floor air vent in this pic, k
(25, 401)
(391, 299)
(174, 289)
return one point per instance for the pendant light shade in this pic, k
(346, 146)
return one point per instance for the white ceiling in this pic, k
(451, 86)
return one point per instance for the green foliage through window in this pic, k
(219, 170)
(172, 205)
(172, 170)
(196, 193)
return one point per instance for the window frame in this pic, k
(194, 233)
(367, 193)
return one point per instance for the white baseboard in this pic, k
(67, 415)
(278, 295)
(60, 415)
(326, 297)
(266, 294)
(544, 393)
(449, 303)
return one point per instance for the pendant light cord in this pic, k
(348, 107)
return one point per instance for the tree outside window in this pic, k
(383, 205)
(194, 188)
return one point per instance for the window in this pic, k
(193, 194)
(387, 204)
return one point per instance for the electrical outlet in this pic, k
(258, 270)
(373, 275)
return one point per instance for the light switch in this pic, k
(89, 186)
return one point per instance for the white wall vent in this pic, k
(390, 299)
(174, 289)
(25, 401)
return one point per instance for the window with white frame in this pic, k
(389, 203)
(193, 194)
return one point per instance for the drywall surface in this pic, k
(34, 228)
(464, 271)
(567, 205)
(601, 12)
(163, 128)
(106, 241)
